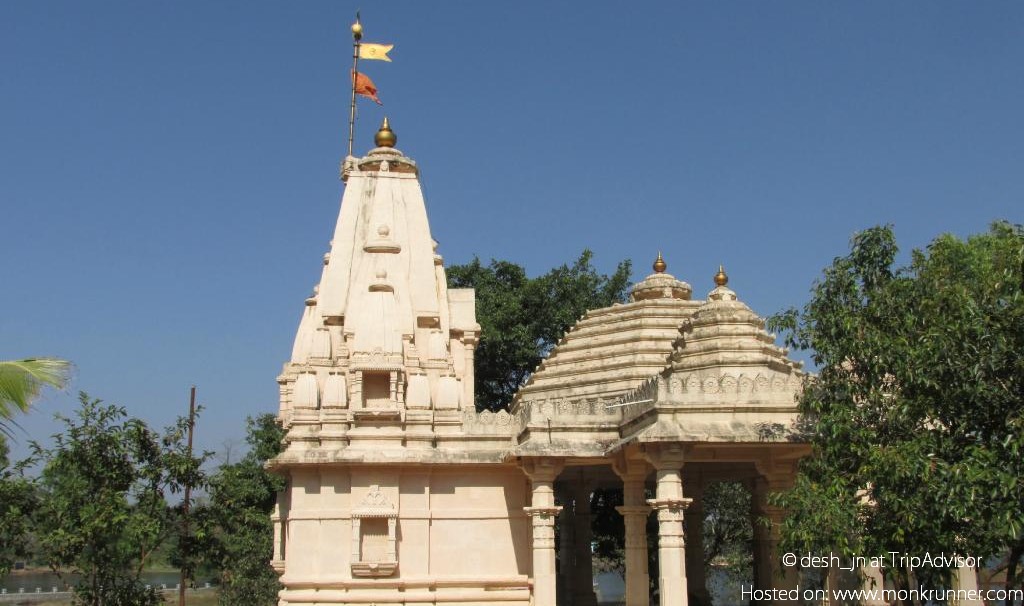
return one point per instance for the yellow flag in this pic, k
(368, 50)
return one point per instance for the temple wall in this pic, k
(460, 532)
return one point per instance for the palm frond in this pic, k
(22, 380)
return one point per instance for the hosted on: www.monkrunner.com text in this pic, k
(884, 595)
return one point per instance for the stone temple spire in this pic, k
(382, 337)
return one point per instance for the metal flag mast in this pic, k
(361, 83)
(357, 35)
(186, 504)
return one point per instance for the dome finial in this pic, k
(659, 264)
(385, 137)
(721, 279)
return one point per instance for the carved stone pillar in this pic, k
(670, 505)
(762, 542)
(543, 512)
(694, 522)
(583, 570)
(634, 513)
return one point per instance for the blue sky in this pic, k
(169, 170)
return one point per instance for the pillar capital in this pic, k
(630, 468)
(777, 475)
(669, 504)
(543, 512)
(670, 511)
(665, 456)
(542, 469)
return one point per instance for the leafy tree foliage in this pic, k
(18, 499)
(22, 380)
(236, 532)
(102, 510)
(522, 318)
(919, 404)
(728, 533)
(609, 530)
(20, 383)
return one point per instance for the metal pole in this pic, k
(188, 493)
(357, 34)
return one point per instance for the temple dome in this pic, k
(724, 332)
(660, 285)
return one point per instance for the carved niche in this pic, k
(374, 536)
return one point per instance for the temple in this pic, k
(400, 492)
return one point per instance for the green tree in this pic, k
(234, 528)
(102, 510)
(727, 531)
(918, 408)
(22, 380)
(18, 499)
(522, 318)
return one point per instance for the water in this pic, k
(611, 588)
(29, 581)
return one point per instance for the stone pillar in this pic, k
(564, 545)
(634, 513)
(694, 523)
(469, 340)
(670, 505)
(277, 563)
(762, 543)
(770, 569)
(583, 568)
(543, 511)
(784, 577)
(872, 580)
(966, 578)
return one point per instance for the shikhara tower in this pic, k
(383, 344)
(399, 492)
(387, 494)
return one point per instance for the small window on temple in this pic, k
(376, 390)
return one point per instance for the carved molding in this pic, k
(733, 384)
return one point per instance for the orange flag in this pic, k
(365, 87)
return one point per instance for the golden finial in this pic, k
(385, 137)
(357, 29)
(659, 264)
(721, 279)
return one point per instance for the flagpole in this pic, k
(357, 34)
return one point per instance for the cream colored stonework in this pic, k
(399, 492)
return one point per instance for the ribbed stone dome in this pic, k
(660, 286)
